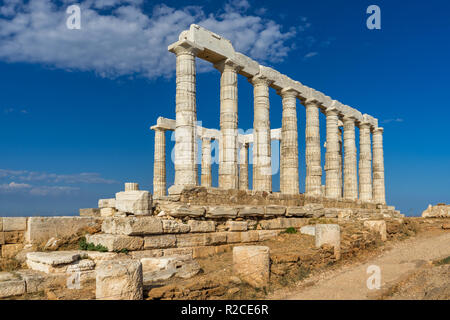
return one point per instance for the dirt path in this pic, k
(350, 282)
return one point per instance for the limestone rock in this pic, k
(160, 241)
(11, 250)
(221, 212)
(237, 225)
(119, 280)
(251, 264)
(309, 230)
(90, 212)
(275, 211)
(296, 211)
(378, 226)
(174, 226)
(116, 242)
(202, 226)
(107, 203)
(251, 211)
(136, 202)
(54, 258)
(132, 226)
(186, 211)
(329, 234)
(14, 224)
(107, 212)
(11, 285)
(52, 244)
(157, 269)
(438, 211)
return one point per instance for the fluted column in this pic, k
(243, 167)
(228, 144)
(340, 190)
(186, 114)
(159, 163)
(313, 183)
(262, 163)
(378, 167)
(289, 143)
(350, 161)
(332, 155)
(365, 163)
(206, 178)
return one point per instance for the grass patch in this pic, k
(442, 261)
(122, 251)
(83, 245)
(290, 230)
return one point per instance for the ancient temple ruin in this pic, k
(341, 174)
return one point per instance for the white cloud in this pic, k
(52, 191)
(126, 41)
(33, 176)
(310, 55)
(392, 120)
(13, 187)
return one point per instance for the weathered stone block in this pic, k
(174, 226)
(275, 211)
(160, 241)
(329, 234)
(216, 238)
(250, 236)
(187, 211)
(107, 203)
(296, 211)
(135, 202)
(221, 212)
(133, 226)
(157, 269)
(2, 238)
(119, 280)
(10, 250)
(90, 212)
(13, 236)
(204, 251)
(116, 242)
(309, 230)
(251, 264)
(251, 211)
(202, 226)
(41, 229)
(47, 268)
(267, 234)
(14, 224)
(236, 225)
(378, 226)
(314, 210)
(233, 237)
(1, 224)
(54, 258)
(191, 240)
(108, 212)
(11, 285)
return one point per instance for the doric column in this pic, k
(206, 178)
(365, 163)
(378, 167)
(243, 167)
(159, 164)
(228, 144)
(313, 183)
(332, 155)
(350, 165)
(186, 114)
(340, 161)
(289, 143)
(262, 163)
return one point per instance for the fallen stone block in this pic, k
(133, 226)
(14, 224)
(221, 212)
(160, 241)
(11, 285)
(236, 225)
(202, 226)
(135, 201)
(309, 230)
(157, 269)
(329, 234)
(107, 212)
(174, 226)
(41, 229)
(47, 268)
(54, 258)
(251, 265)
(90, 212)
(116, 242)
(107, 203)
(251, 211)
(119, 280)
(378, 226)
(314, 210)
(35, 281)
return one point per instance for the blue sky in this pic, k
(76, 105)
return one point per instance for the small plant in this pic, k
(443, 261)
(83, 245)
(122, 251)
(290, 230)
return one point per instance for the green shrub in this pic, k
(443, 261)
(290, 230)
(83, 245)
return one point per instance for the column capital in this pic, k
(349, 119)
(157, 128)
(228, 64)
(331, 111)
(185, 47)
(260, 79)
(379, 130)
(288, 92)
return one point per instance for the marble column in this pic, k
(159, 164)
(365, 163)
(289, 143)
(350, 161)
(378, 167)
(243, 167)
(340, 161)
(206, 178)
(228, 144)
(313, 183)
(186, 115)
(332, 155)
(262, 163)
